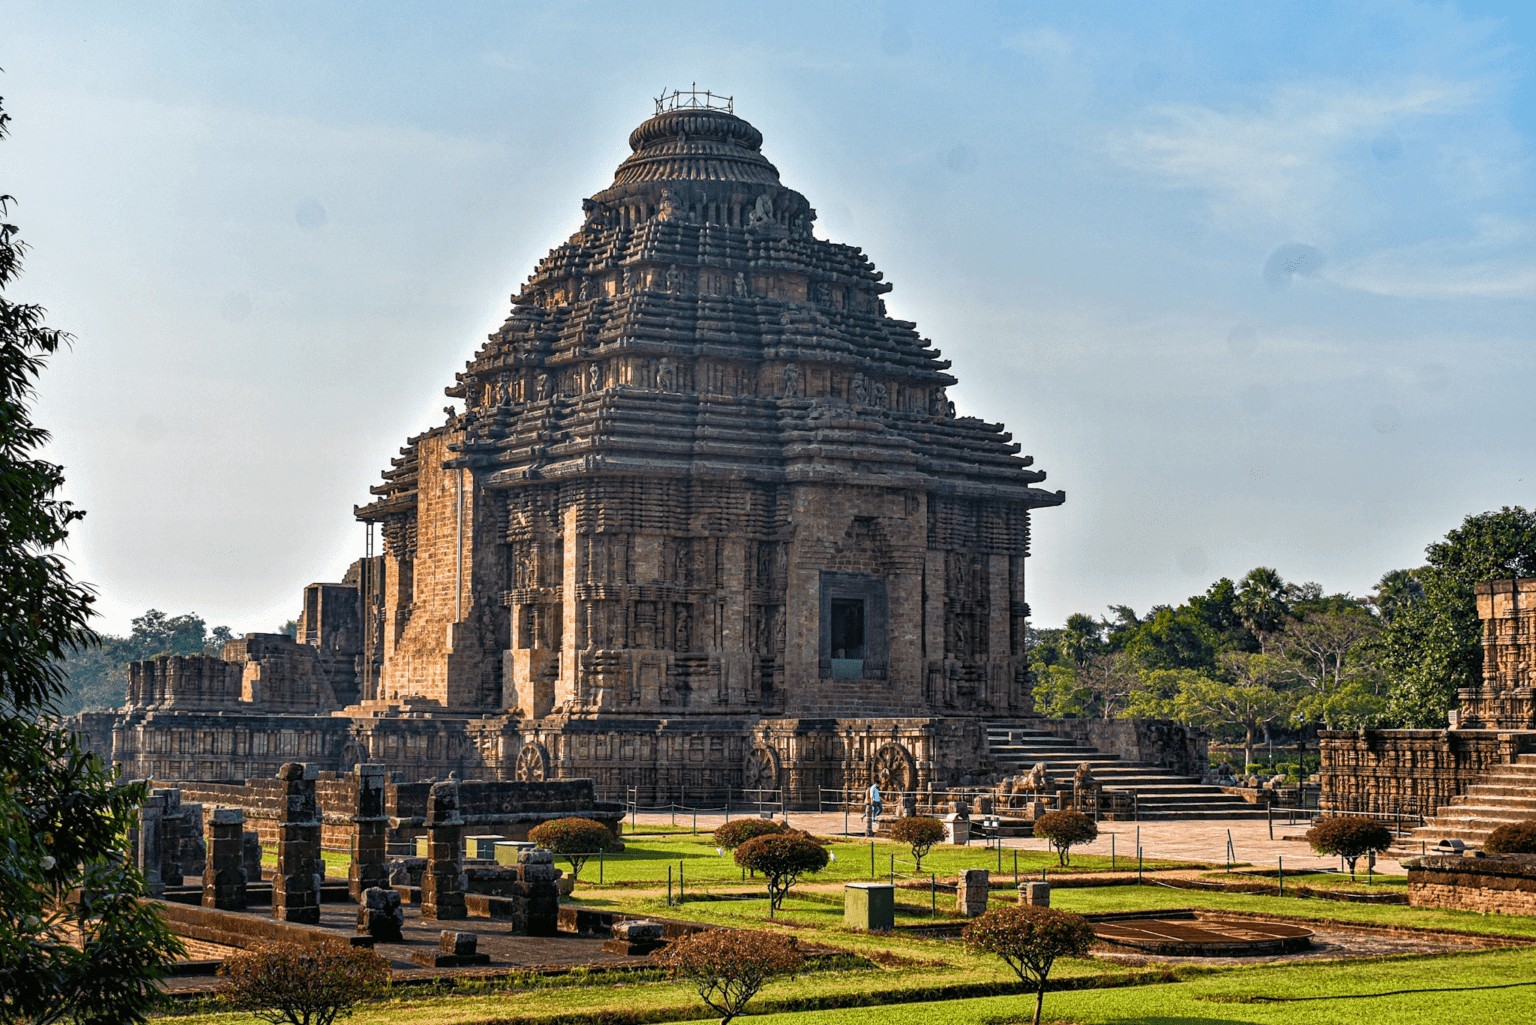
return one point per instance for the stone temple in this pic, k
(703, 518)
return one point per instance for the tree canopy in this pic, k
(76, 942)
(1247, 659)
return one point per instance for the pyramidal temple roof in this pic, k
(694, 324)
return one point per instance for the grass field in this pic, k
(908, 978)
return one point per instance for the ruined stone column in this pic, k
(370, 827)
(224, 877)
(442, 885)
(171, 821)
(296, 884)
(148, 852)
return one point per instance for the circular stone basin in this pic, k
(1173, 936)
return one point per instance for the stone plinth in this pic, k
(507, 852)
(380, 915)
(224, 876)
(1501, 884)
(482, 846)
(634, 938)
(1037, 894)
(973, 890)
(454, 950)
(869, 907)
(957, 829)
(442, 884)
(296, 884)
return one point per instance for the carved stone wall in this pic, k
(1382, 772)
(702, 514)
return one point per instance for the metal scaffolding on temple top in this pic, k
(694, 99)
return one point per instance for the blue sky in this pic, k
(1255, 284)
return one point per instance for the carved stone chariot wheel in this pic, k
(762, 769)
(893, 767)
(532, 765)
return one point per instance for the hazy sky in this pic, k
(1254, 283)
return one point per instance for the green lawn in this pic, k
(908, 978)
(646, 858)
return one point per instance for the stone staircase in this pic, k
(1507, 794)
(1160, 793)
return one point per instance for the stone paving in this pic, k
(1203, 840)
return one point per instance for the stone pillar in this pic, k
(370, 827)
(971, 895)
(1037, 894)
(296, 884)
(958, 828)
(151, 818)
(171, 822)
(250, 852)
(537, 869)
(194, 851)
(224, 876)
(442, 886)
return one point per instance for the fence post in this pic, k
(727, 805)
(679, 882)
(933, 896)
(871, 861)
(1138, 865)
(669, 886)
(1111, 854)
(893, 869)
(599, 868)
(1016, 864)
(1281, 861)
(1269, 818)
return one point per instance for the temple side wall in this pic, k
(1383, 772)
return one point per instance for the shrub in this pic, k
(286, 982)
(1029, 939)
(733, 834)
(1512, 838)
(1349, 837)
(728, 966)
(574, 839)
(919, 833)
(1065, 830)
(781, 858)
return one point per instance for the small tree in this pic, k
(1349, 837)
(920, 833)
(781, 858)
(728, 966)
(298, 985)
(574, 839)
(1512, 838)
(732, 835)
(1064, 830)
(1029, 939)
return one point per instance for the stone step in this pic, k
(1522, 802)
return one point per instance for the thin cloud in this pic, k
(1283, 163)
(1498, 263)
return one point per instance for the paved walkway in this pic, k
(1194, 840)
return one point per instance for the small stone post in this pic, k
(224, 876)
(296, 885)
(370, 864)
(971, 895)
(1037, 894)
(442, 885)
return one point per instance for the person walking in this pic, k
(874, 806)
